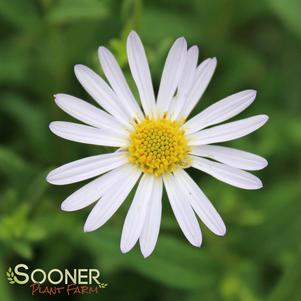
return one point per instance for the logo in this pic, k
(56, 281)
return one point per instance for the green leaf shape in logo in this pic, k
(10, 276)
(103, 285)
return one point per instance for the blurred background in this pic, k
(258, 45)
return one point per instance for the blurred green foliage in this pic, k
(258, 45)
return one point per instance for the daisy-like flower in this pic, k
(155, 143)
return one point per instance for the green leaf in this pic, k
(289, 12)
(11, 164)
(15, 62)
(32, 121)
(22, 248)
(74, 10)
(15, 12)
(180, 267)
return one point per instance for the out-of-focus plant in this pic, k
(258, 46)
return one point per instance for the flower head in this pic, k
(156, 142)
(158, 146)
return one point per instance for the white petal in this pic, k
(141, 73)
(185, 82)
(200, 203)
(231, 175)
(112, 200)
(202, 78)
(151, 227)
(228, 131)
(220, 111)
(86, 168)
(118, 82)
(88, 113)
(231, 156)
(183, 211)
(171, 74)
(189, 70)
(135, 217)
(92, 191)
(101, 92)
(87, 134)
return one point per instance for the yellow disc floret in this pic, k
(158, 146)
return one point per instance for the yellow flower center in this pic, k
(158, 146)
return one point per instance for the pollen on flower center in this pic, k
(158, 146)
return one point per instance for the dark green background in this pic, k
(258, 45)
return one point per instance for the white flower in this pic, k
(155, 144)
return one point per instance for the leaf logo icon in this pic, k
(103, 285)
(10, 276)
